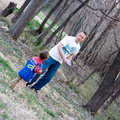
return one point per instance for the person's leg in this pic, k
(46, 64)
(34, 79)
(47, 77)
(14, 82)
(20, 85)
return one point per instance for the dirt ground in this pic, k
(19, 111)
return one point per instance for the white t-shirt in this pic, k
(70, 46)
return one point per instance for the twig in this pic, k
(100, 11)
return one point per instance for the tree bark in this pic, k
(93, 31)
(78, 25)
(17, 15)
(107, 87)
(39, 30)
(44, 5)
(9, 9)
(67, 20)
(20, 24)
(113, 97)
(59, 14)
(93, 52)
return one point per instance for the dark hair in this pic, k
(44, 54)
(85, 33)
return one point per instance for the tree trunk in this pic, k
(113, 97)
(78, 25)
(67, 20)
(39, 30)
(41, 7)
(93, 32)
(18, 27)
(59, 14)
(93, 52)
(17, 15)
(9, 10)
(107, 87)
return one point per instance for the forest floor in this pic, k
(56, 101)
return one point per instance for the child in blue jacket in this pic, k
(26, 74)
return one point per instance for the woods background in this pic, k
(99, 54)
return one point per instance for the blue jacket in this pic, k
(28, 71)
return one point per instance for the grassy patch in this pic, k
(74, 88)
(34, 102)
(3, 111)
(33, 24)
(5, 68)
(5, 21)
(50, 112)
(16, 10)
(31, 99)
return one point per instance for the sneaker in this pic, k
(34, 89)
(28, 84)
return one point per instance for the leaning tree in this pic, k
(20, 11)
(65, 22)
(20, 24)
(107, 88)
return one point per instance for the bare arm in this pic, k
(70, 57)
(60, 46)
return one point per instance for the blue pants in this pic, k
(51, 66)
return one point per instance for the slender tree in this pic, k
(41, 7)
(58, 16)
(94, 30)
(39, 30)
(17, 15)
(93, 52)
(107, 87)
(66, 21)
(20, 24)
(78, 25)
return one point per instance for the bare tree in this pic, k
(107, 87)
(58, 16)
(94, 29)
(9, 9)
(20, 24)
(79, 24)
(93, 52)
(17, 15)
(44, 5)
(66, 21)
(39, 30)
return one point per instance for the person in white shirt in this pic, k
(62, 52)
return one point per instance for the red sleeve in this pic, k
(38, 68)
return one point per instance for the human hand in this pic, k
(40, 71)
(67, 61)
